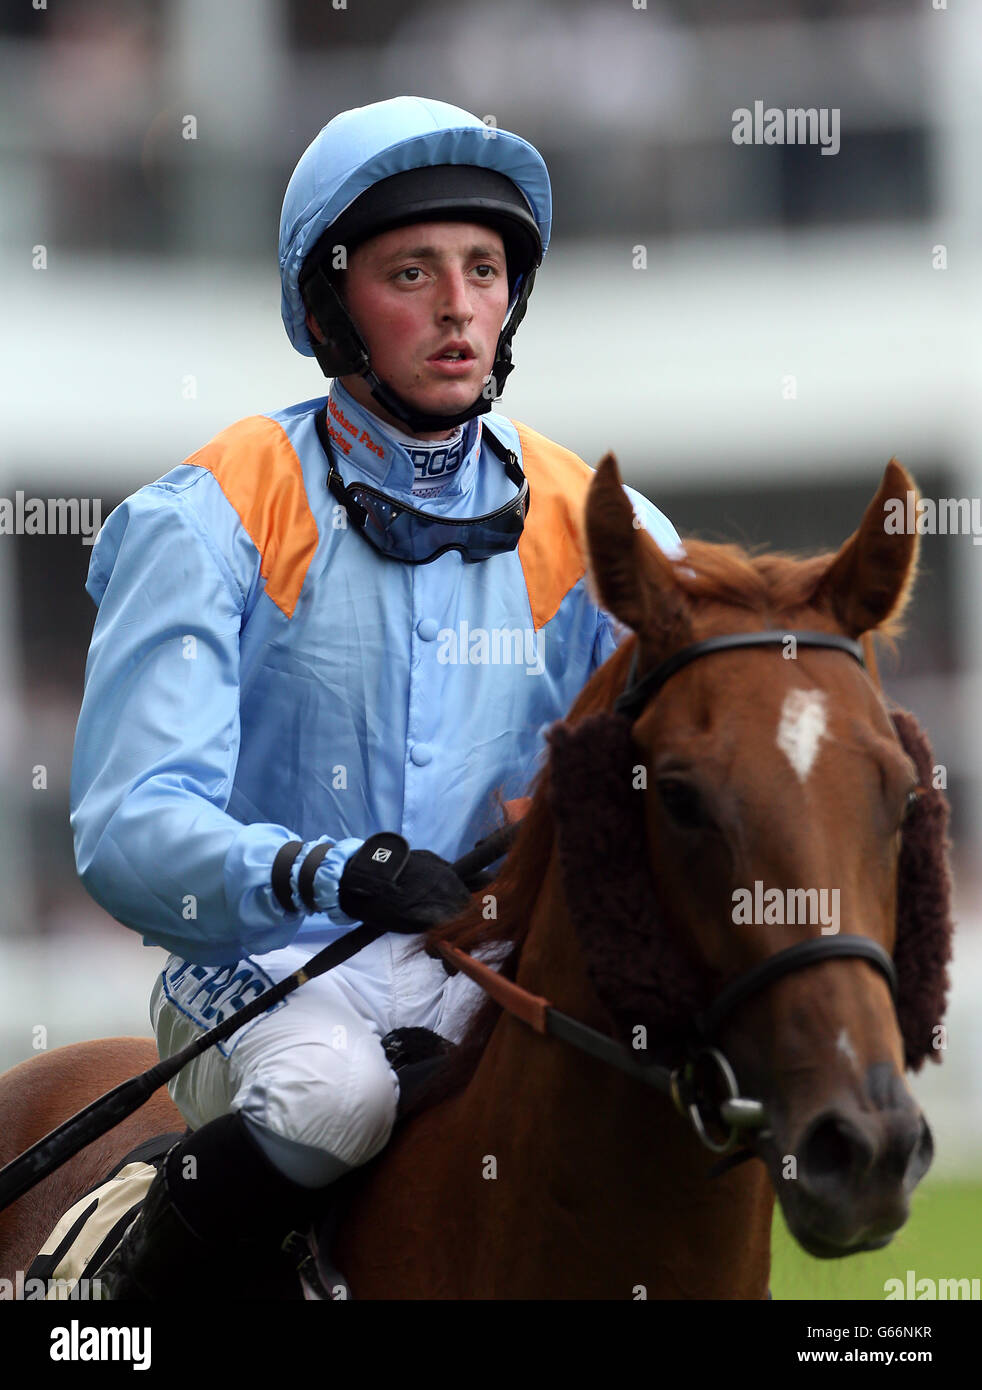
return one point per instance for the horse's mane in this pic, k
(734, 575)
(767, 584)
(764, 582)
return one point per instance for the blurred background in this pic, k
(753, 329)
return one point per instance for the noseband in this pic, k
(690, 1086)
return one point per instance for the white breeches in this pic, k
(311, 1078)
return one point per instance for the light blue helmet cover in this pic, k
(369, 143)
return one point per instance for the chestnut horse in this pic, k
(536, 1171)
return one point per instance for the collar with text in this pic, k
(362, 439)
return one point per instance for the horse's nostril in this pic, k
(923, 1157)
(833, 1149)
(913, 1157)
(925, 1145)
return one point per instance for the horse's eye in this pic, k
(683, 804)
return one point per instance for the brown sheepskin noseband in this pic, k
(924, 925)
(642, 972)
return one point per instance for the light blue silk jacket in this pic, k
(258, 673)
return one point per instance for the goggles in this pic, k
(402, 532)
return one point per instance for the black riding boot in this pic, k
(211, 1224)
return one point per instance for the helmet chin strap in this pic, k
(346, 353)
(421, 420)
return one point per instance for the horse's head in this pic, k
(775, 797)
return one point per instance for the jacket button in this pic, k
(421, 754)
(428, 629)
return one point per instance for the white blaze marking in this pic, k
(801, 728)
(843, 1044)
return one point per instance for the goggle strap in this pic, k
(359, 514)
(507, 456)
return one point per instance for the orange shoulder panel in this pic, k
(257, 468)
(551, 546)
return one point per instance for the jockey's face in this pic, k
(414, 293)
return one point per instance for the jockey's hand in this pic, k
(388, 885)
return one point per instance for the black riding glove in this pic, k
(386, 884)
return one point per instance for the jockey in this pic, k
(356, 615)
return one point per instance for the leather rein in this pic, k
(705, 1069)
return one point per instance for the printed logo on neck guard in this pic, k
(435, 463)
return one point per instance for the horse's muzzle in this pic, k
(855, 1168)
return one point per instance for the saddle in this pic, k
(90, 1230)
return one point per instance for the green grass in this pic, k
(941, 1240)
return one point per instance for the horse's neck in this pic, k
(552, 1175)
(561, 1177)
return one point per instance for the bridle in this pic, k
(689, 1084)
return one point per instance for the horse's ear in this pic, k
(870, 580)
(630, 576)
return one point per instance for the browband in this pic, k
(639, 692)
